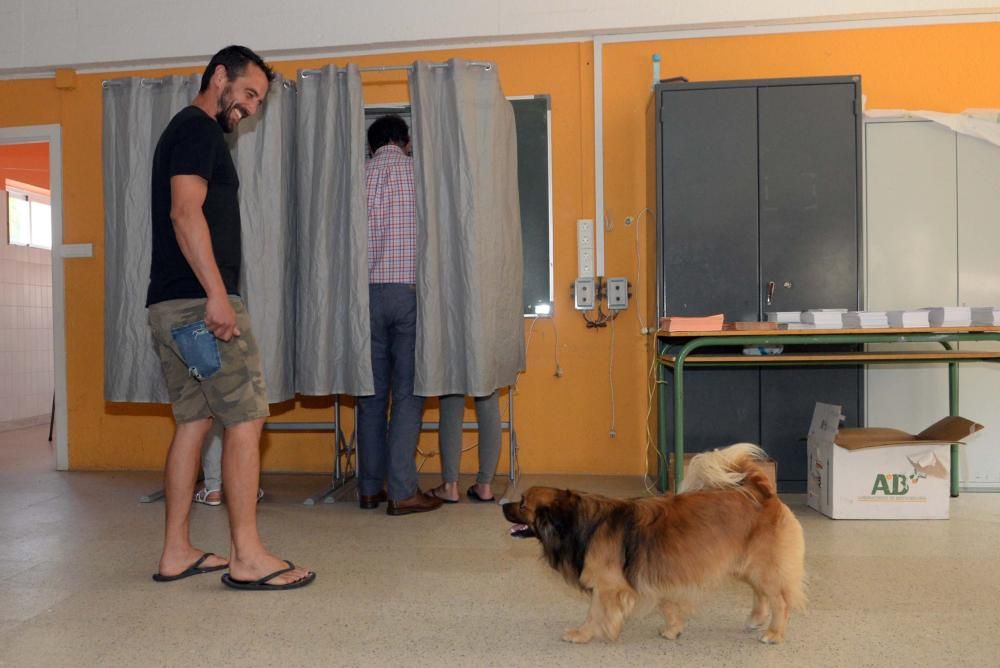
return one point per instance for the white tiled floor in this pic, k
(448, 588)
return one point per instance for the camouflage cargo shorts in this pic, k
(205, 376)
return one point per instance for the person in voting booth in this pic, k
(387, 442)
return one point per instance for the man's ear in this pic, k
(219, 76)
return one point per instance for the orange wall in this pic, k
(27, 163)
(563, 423)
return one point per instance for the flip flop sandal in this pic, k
(194, 569)
(474, 495)
(263, 584)
(434, 492)
(201, 496)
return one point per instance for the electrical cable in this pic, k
(611, 379)
(651, 383)
(643, 327)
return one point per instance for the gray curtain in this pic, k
(470, 331)
(264, 152)
(333, 337)
(135, 113)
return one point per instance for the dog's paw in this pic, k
(578, 636)
(754, 625)
(672, 633)
(772, 638)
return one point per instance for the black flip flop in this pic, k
(194, 569)
(263, 583)
(474, 495)
(433, 493)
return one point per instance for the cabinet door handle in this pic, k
(770, 292)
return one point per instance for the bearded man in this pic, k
(200, 326)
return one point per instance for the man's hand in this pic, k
(221, 318)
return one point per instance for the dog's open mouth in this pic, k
(521, 531)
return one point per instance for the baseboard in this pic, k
(979, 487)
(24, 423)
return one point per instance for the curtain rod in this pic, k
(310, 73)
(388, 68)
(157, 82)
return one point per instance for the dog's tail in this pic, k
(729, 468)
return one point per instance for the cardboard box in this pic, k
(769, 465)
(879, 473)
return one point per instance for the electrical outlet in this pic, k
(585, 247)
(617, 291)
(585, 233)
(586, 263)
(584, 293)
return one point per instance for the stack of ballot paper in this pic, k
(986, 315)
(918, 318)
(865, 319)
(824, 318)
(708, 323)
(783, 317)
(950, 316)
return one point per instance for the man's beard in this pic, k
(224, 116)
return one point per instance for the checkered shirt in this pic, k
(392, 217)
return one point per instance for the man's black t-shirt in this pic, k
(193, 143)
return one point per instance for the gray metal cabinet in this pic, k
(712, 207)
(759, 185)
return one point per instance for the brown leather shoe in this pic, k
(369, 502)
(418, 503)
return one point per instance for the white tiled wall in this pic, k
(26, 361)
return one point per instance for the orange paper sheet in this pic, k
(708, 323)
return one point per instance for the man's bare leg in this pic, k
(180, 474)
(249, 559)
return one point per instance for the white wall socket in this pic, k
(584, 293)
(617, 290)
(585, 247)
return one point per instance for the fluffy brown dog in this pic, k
(726, 522)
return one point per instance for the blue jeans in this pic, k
(387, 445)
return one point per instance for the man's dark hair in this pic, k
(235, 59)
(389, 129)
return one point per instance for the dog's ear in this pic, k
(564, 540)
(547, 525)
(554, 522)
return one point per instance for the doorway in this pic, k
(32, 332)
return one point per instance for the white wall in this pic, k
(39, 35)
(26, 366)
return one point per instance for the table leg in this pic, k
(661, 423)
(678, 422)
(953, 410)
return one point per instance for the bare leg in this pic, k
(675, 619)
(249, 560)
(180, 474)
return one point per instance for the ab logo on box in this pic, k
(895, 484)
